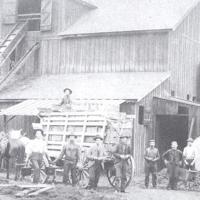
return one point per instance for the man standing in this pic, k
(151, 158)
(189, 155)
(173, 161)
(122, 153)
(96, 155)
(71, 154)
(35, 151)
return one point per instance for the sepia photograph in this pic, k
(100, 99)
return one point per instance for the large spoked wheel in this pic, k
(111, 174)
(83, 176)
(43, 175)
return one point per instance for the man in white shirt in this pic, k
(189, 155)
(36, 150)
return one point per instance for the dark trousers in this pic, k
(69, 167)
(94, 174)
(150, 169)
(189, 166)
(36, 160)
(121, 170)
(173, 172)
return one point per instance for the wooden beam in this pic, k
(191, 127)
(5, 123)
(18, 66)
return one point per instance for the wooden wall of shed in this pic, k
(143, 133)
(131, 52)
(64, 13)
(184, 56)
(19, 122)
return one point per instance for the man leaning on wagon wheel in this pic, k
(71, 154)
(95, 156)
(36, 151)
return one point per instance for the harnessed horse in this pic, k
(11, 149)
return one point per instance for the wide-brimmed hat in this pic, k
(98, 137)
(189, 140)
(125, 135)
(70, 91)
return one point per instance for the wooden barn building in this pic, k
(143, 55)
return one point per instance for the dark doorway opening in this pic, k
(169, 128)
(30, 10)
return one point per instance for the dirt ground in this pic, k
(135, 191)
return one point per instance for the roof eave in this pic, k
(84, 3)
(115, 33)
(184, 16)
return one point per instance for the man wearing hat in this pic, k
(189, 155)
(122, 153)
(173, 160)
(71, 154)
(35, 151)
(96, 155)
(66, 100)
(151, 158)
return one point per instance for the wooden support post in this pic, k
(5, 123)
(191, 127)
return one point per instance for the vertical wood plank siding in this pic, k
(19, 122)
(184, 55)
(119, 53)
(143, 133)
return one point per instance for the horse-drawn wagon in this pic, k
(85, 126)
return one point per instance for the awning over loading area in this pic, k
(34, 107)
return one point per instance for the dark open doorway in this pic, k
(169, 128)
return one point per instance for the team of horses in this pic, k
(12, 149)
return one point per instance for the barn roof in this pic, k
(115, 86)
(131, 15)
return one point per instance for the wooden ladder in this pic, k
(18, 66)
(11, 41)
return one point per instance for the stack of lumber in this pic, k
(28, 190)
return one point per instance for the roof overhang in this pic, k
(88, 86)
(35, 107)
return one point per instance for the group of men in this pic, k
(95, 157)
(173, 160)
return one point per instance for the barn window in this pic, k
(182, 110)
(30, 9)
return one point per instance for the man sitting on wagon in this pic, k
(189, 155)
(66, 102)
(71, 154)
(122, 154)
(95, 156)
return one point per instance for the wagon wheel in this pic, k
(83, 176)
(43, 175)
(111, 174)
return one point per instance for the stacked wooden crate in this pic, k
(84, 125)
